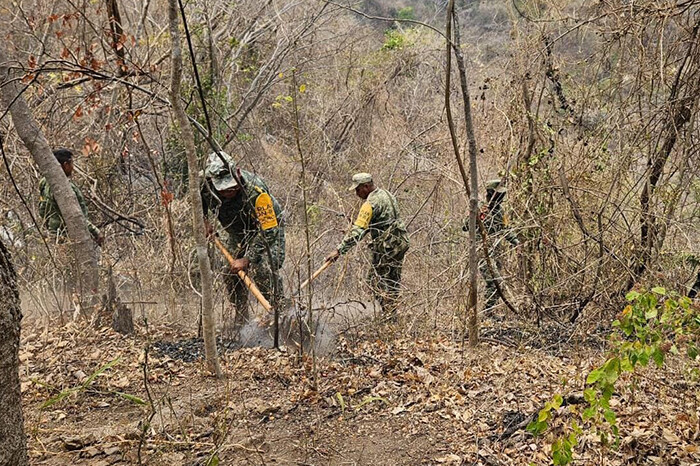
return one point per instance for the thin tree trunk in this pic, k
(209, 330)
(13, 443)
(473, 182)
(307, 237)
(472, 191)
(84, 249)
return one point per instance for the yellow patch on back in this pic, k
(365, 216)
(265, 212)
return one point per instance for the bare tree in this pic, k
(197, 209)
(13, 447)
(33, 138)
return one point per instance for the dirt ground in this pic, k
(378, 401)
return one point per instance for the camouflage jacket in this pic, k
(379, 216)
(252, 219)
(495, 224)
(51, 214)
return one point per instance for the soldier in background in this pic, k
(253, 220)
(379, 216)
(48, 208)
(491, 214)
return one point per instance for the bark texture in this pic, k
(195, 199)
(13, 443)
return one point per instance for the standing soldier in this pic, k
(253, 220)
(379, 216)
(497, 228)
(48, 208)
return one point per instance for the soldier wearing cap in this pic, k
(379, 216)
(48, 208)
(491, 215)
(253, 220)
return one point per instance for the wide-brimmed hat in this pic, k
(358, 179)
(221, 171)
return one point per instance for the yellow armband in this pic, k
(365, 216)
(265, 212)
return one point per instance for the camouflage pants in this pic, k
(491, 297)
(385, 281)
(265, 275)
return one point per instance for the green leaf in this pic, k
(644, 358)
(558, 400)
(588, 413)
(627, 365)
(99, 371)
(658, 357)
(213, 461)
(57, 398)
(632, 295)
(536, 428)
(609, 416)
(594, 376)
(341, 401)
(133, 398)
(589, 395)
(692, 352)
(370, 399)
(543, 415)
(659, 290)
(651, 313)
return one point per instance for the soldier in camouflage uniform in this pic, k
(253, 220)
(497, 229)
(379, 216)
(48, 208)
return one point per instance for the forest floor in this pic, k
(378, 401)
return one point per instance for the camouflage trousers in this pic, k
(385, 281)
(491, 296)
(265, 275)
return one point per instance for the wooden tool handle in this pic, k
(316, 274)
(244, 276)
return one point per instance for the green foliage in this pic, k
(366, 400)
(69, 391)
(394, 40)
(653, 324)
(406, 13)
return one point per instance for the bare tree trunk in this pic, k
(473, 182)
(13, 443)
(84, 249)
(307, 237)
(472, 192)
(195, 199)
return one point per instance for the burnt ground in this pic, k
(376, 401)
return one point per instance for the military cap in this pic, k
(220, 173)
(358, 179)
(495, 185)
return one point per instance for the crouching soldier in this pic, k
(379, 216)
(253, 220)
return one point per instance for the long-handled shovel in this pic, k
(316, 274)
(244, 276)
(296, 329)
